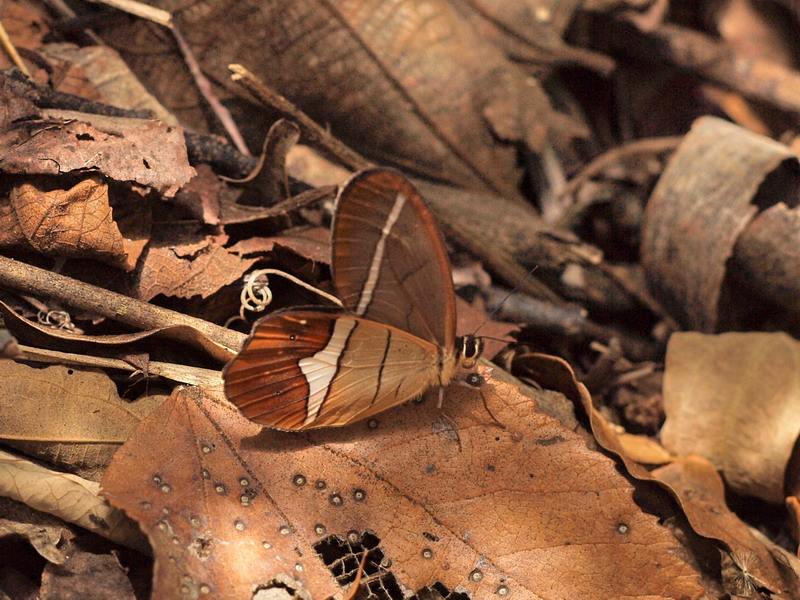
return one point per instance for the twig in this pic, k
(45, 97)
(174, 372)
(8, 46)
(205, 89)
(313, 134)
(27, 279)
(503, 264)
(569, 321)
(695, 52)
(600, 163)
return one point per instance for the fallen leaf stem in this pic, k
(27, 279)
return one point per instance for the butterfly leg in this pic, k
(451, 429)
(476, 381)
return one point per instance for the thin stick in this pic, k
(172, 371)
(204, 87)
(313, 134)
(11, 50)
(27, 279)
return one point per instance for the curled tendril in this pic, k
(256, 294)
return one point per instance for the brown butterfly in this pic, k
(307, 368)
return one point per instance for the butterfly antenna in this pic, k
(502, 302)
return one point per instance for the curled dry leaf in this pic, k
(701, 493)
(143, 151)
(46, 534)
(67, 416)
(73, 223)
(530, 511)
(710, 191)
(407, 82)
(733, 399)
(692, 481)
(68, 497)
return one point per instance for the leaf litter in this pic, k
(537, 510)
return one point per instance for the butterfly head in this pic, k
(469, 348)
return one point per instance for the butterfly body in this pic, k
(307, 368)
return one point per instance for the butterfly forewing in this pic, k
(306, 369)
(388, 259)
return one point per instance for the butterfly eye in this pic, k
(471, 347)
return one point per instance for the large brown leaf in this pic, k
(529, 512)
(406, 82)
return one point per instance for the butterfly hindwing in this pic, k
(302, 369)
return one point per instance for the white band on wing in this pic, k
(375, 267)
(320, 369)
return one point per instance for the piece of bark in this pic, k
(706, 197)
(766, 257)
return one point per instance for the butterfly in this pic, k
(304, 368)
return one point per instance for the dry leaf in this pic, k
(147, 152)
(187, 265)
(73, 223)
(200, 197)
(46, 534)
(701, 493)
(530, 512)
(66, 416)
(692, 481)
(111, 77)
(408, 82)
(312, 243)
(86, 576)
(643, 449)
(68, 497)
(734, 399)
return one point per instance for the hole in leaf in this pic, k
(342, 557)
